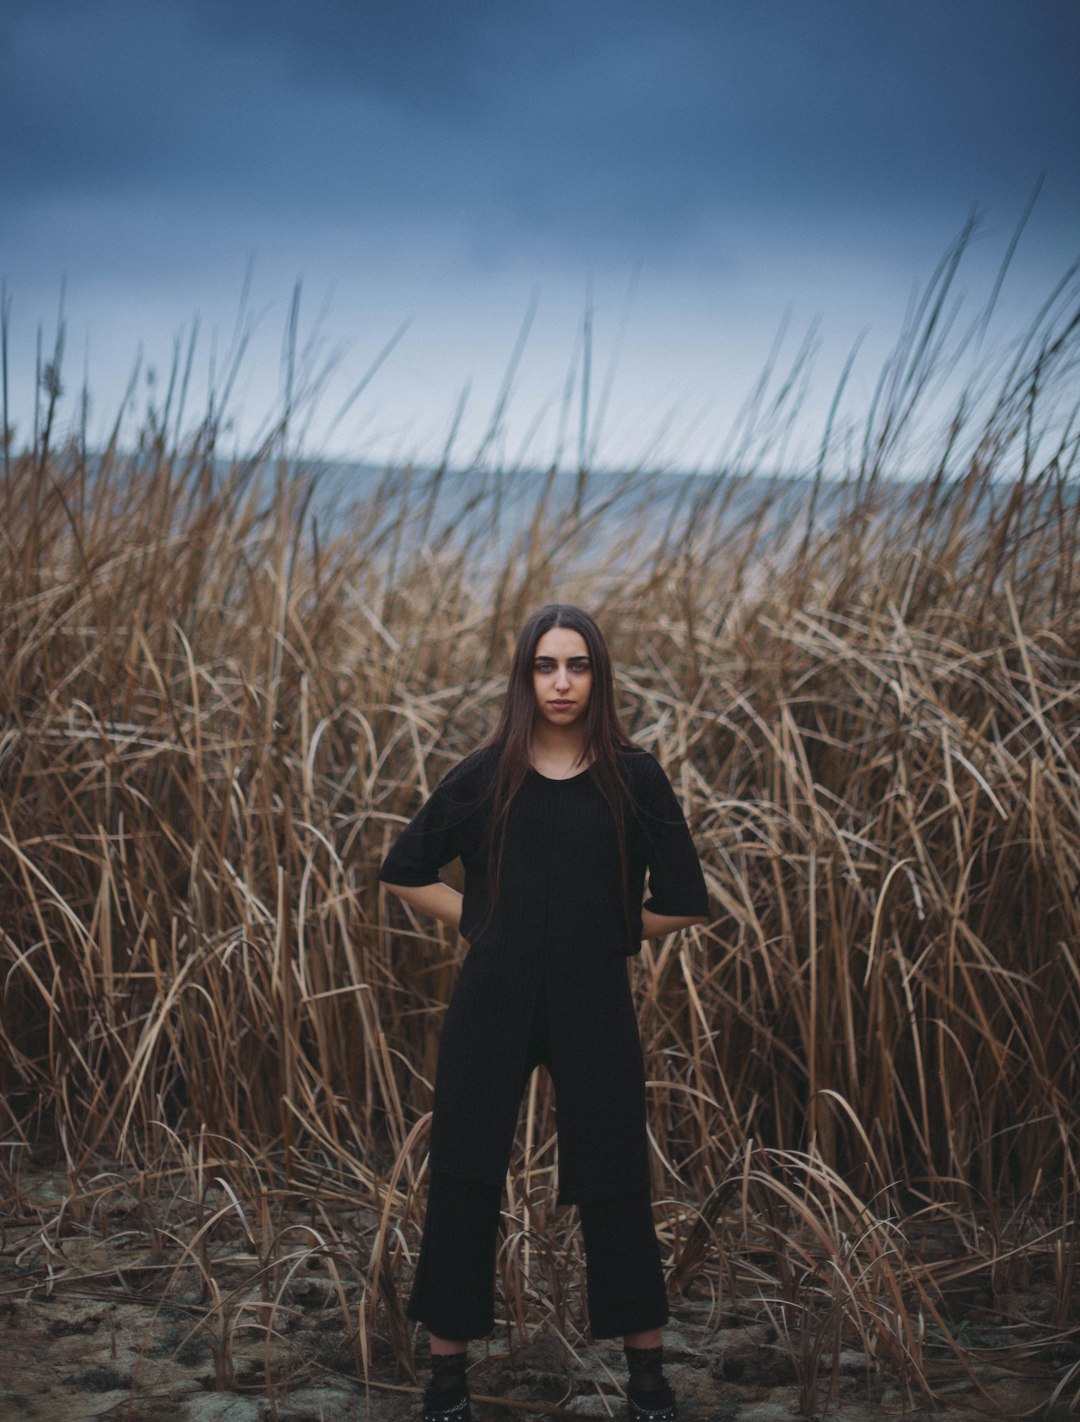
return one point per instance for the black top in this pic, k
(557, 925)
(561, 835)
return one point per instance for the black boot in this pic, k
(648, 1392)
(446, 1397)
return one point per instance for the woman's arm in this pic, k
(659, 925)
(439, 900)
(443, 829)
(676, 881)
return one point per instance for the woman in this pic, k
(556, 819)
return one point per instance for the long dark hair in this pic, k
(512, 736)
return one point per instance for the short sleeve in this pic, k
(438, 833)
(676, 882)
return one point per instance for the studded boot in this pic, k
(446, 1397)
(648, 1393)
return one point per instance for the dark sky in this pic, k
(442, 160)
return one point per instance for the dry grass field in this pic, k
(218, 703)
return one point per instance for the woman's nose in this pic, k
(562, 679)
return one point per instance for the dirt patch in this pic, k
(71, 1359)
(118, 1316)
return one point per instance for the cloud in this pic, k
(442, 156)
(619, 130)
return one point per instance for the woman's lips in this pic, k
(561, 705)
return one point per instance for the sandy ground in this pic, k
(86, 1333)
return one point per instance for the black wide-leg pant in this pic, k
(453, 1290)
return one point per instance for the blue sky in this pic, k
(713, 169)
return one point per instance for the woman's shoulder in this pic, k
(646, 779)
(636, 759)
(639, 766)
(473, 771)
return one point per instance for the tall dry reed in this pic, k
(219, 703)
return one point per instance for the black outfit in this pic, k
(453, 1289)
(545, 980)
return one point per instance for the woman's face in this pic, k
(562, 676)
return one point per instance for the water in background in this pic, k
(490, 511)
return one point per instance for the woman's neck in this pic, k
(557, 750)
